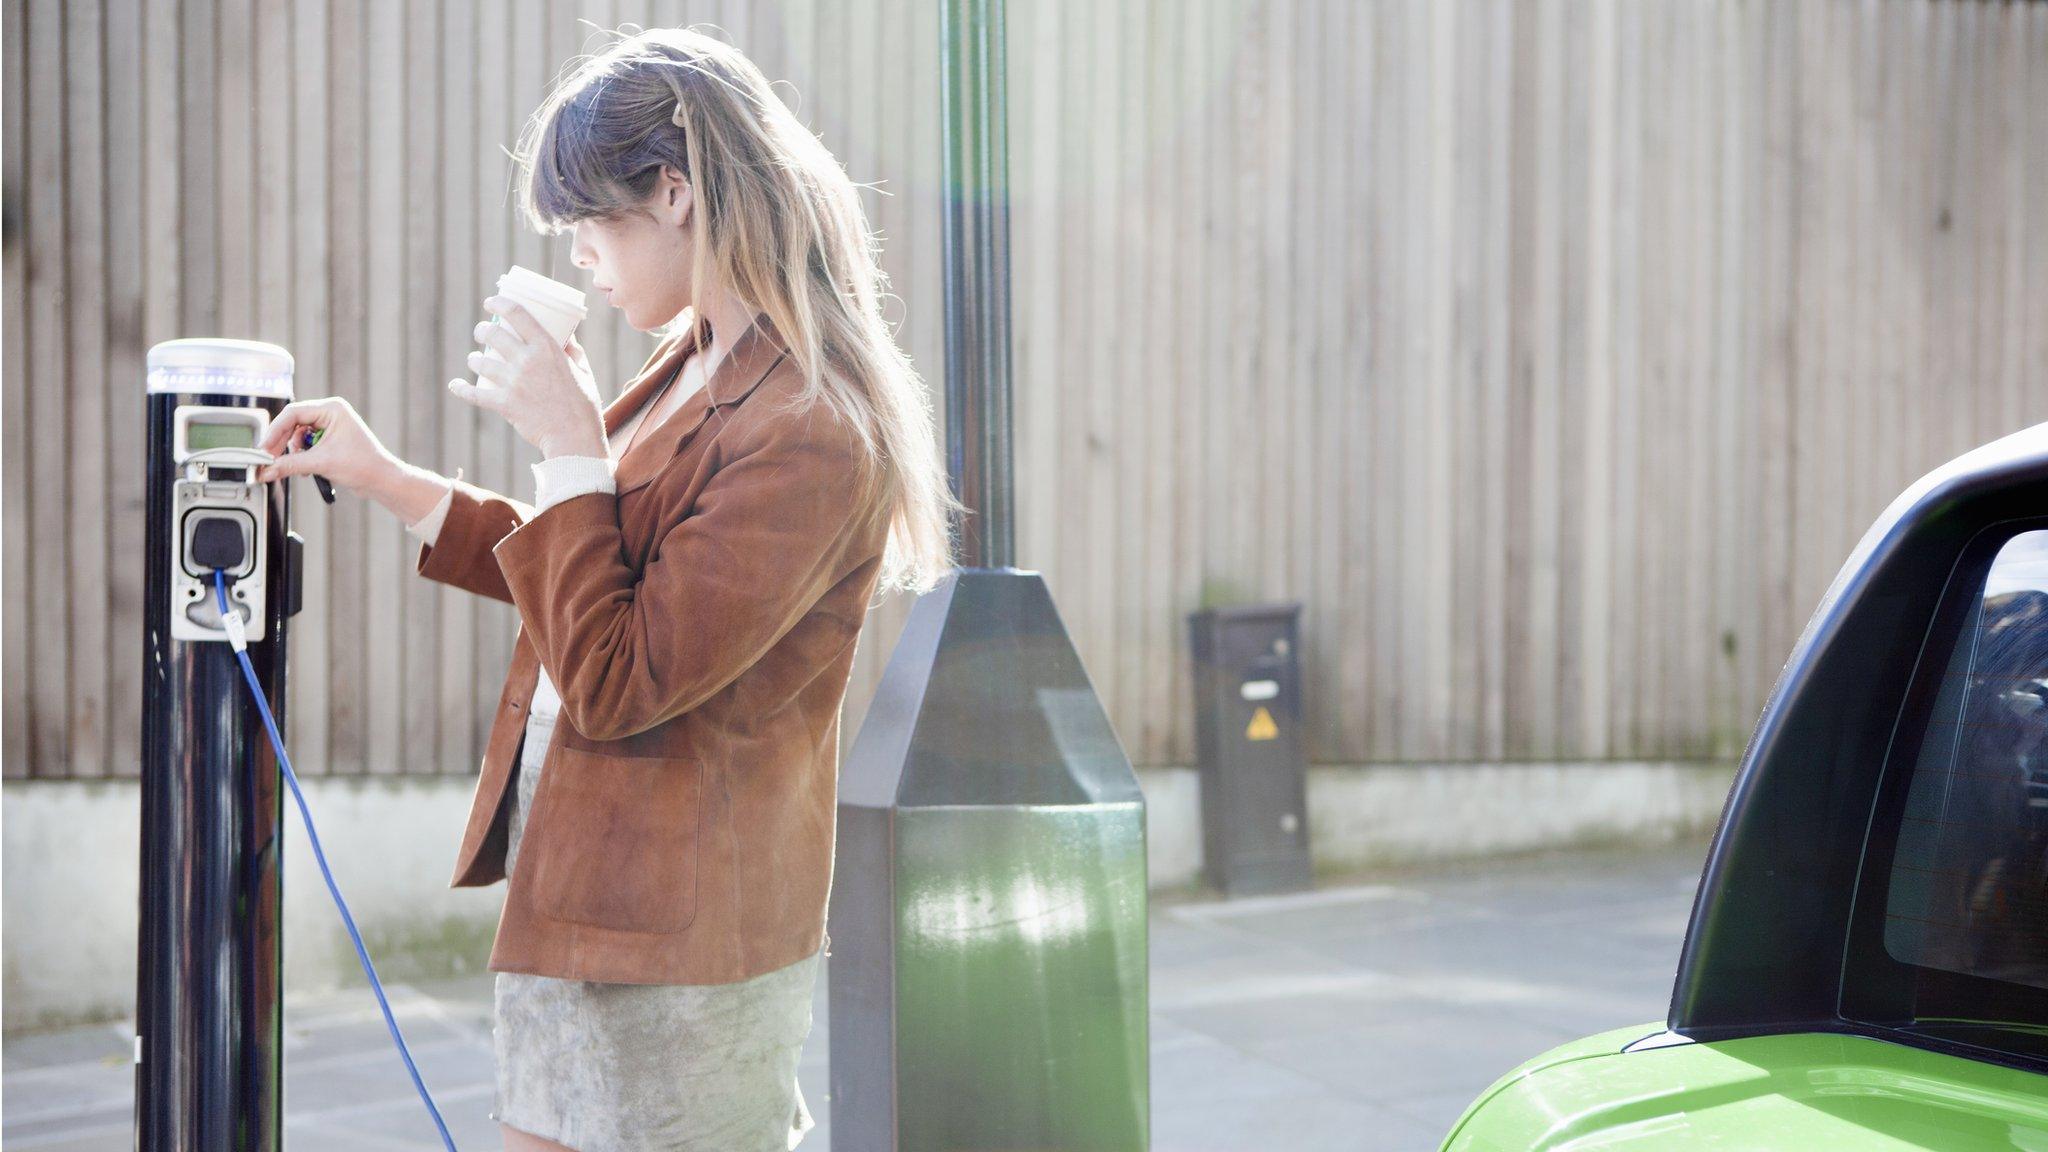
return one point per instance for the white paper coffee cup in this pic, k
(557, 306)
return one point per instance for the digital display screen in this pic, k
(201, 436)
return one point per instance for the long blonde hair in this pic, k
(778, 223)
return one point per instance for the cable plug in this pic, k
(230, 616)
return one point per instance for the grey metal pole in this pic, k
(973, 114)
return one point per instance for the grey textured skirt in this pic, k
(639, 1067)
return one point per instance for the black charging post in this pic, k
(209, 963)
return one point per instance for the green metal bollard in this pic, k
(988, 976)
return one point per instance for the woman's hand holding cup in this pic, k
(542, 387)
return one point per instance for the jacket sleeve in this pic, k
(460, 553)
(768, 536)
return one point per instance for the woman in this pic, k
(690, 582)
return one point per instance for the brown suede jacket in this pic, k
(699, 626)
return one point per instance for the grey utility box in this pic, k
(1248, 740)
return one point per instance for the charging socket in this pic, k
(218, 510)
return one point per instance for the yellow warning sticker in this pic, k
(1262, 726)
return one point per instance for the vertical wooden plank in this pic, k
(1696, 637)
(2031, 92)
(1809, 517)
(1664, 480)
(1573, 447)
(1499, 153)
(2016, 201)
(499, 108)
(1990, 81)
(1123, 438)
(1543, 312)
(1596, 671)
(1662, 468)
(1628, 207)
(1840, 343)
(422, 403)
(1356, 318)
(87, 559)
(1341, 392)
(1655, 463)
(160, 176)
(1133, 433)
(16, 749)
(1885, 396)
(1955, 422)
(1205, 307)
(1967, 212)
(312, 337)
(1734, 549)
(1924, 437)
(1100, 436)
(126, 398)
(1392, 60)
(1692, 633)
(199, 168)
(1032, 137)
(350, 221)
(1274, 312)
(49, 359)
(383, 404)
(1186, 265)
(1317, 501)
(235, 115)
(1434, 592)
(457, 673)
(1474, 365)
(1778, 296)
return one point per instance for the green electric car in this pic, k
(1867, 962)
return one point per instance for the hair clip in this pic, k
(677, 117)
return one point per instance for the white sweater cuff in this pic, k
(560, 477)
(428, 527)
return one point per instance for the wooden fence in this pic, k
(1552, 352)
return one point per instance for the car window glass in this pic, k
(1969, 879)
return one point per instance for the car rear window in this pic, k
(1969, 879)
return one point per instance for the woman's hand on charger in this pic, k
(543, 389)
(347, 453)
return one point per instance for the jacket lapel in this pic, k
(749, 361)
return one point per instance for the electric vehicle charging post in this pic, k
(224, 573)
(209, 1021)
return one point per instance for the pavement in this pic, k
(1365, 1014)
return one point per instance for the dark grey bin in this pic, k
(1254, 770)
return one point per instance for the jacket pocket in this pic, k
(614, 840)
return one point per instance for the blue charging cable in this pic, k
(239, 638)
